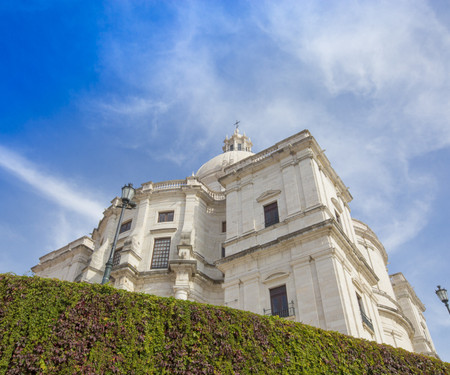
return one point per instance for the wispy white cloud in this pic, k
(390, 61)
(53, 188)
(369, 79)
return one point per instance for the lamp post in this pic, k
(443, 296)
(127, 195)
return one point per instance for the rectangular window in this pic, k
(116, 258)
(165, 216)
(239, 147)
(125, 226)
(231, 147)
(223, 252)
(161, 251)
(360, 303)
(364, 317)
(279, 301)
(271, 214)
(224, 226)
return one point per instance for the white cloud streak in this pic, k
(54, 189)
(369, 79)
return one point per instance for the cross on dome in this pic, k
(237, 142)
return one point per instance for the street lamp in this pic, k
(127, 195)
(443, 296)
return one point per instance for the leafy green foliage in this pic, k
(54, 327)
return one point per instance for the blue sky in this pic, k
(94, 95)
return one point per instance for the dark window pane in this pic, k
(161, 251)
(116, 258)
(279, 302)
(125, 226)
(165, 216)
(360, 303)
(271, 214)
(224, 226)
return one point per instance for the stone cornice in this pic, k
(206, 278)
(300, 141)
(77, 247)
(403, 289)
(202, 259)
(387, 296)
(399, 317)
(353, 254)
(127, 249)
(85, 240)
(367, 234)
(278, 240)
(125, 269)
(253, 232)
(328, 226)
(163, 230)
(183, 264)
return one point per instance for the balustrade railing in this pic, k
(282, 313)
(176, 184)
(173, 184)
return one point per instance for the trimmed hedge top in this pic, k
(55, 327)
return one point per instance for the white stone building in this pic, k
(269, 233)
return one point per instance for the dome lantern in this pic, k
(235, 148)
(237, 142)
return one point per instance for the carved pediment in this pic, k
(274, 276)
(268, 195)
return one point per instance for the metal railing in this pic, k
(282, 313)
(366, 320)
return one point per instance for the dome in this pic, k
(212, 170)
(235, 148)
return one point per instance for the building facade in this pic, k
(270, 233)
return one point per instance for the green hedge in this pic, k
(54, 327)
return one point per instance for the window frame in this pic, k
(117, 257)
(166, 216)
(126, 226)
(279, 304)
(161, 253)
(365, 318)
(271, 214)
